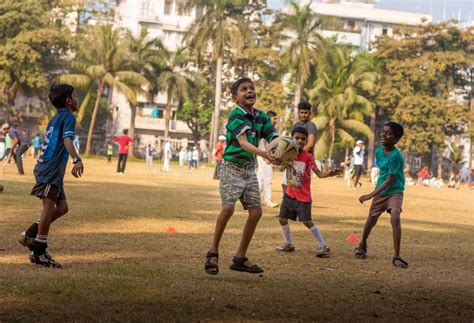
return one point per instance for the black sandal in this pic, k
(403, 263)
(238, 264)
(360, 252)
(209, 267)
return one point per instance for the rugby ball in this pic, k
(283, 148)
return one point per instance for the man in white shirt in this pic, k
(358, 154)
(265, 171)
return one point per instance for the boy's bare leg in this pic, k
(49, 210)
(369, 224)
(60, 209)
(249, 229)
(396, 230)
(221, 223)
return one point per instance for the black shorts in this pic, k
(357, 170)
(49, 191)
(292, 209)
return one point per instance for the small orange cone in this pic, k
(169, 230)
(352, 238)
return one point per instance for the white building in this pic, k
(362, 22)
(166, 20)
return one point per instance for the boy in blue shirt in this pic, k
(388, 194)
(49, 173)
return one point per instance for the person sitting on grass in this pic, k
(388, 194)
(297, 200)
(245, 127)
(49, 173)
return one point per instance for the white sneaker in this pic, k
(322, 251)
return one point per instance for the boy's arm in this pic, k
(327, 173)
(311, 142)
(14, 144)
(78, 167)
(254, 150)
(389, 181)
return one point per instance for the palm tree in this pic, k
(220, 29)
(341, 107)
(175, 80)
(147, 57)
(103, 62)
(371, 63)
(301, 42)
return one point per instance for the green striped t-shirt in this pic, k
(254, 127)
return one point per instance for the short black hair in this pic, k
(304, 105)
(299, 129)
(271, 114)
(234, 86)
(396, 128)
(58, 93)
(125, 131)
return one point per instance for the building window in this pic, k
(181, 8)
(384, 30)
(168, 7)
(351, 24)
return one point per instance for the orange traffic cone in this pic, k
(169, 230)
(352, 238)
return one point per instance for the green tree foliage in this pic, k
(425, 72)
(175, 80)
(338, 96)
(301, 42)
(102, 60)
(31, 48)
(197, 111)
(222, 29)
(147, 56)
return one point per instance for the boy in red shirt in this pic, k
(297, 201)
(124, 142)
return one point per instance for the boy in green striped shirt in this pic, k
(245, 127)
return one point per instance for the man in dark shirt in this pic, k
(20, 145)
(304, 114)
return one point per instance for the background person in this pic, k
(20, 145)
(358, 153)
(218, 155)
(124, 142)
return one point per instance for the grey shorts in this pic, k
(382, 203)
(239, 183)
(292, 209)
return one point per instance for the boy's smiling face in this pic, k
(300, 139)
(387, 137)
(245, 96)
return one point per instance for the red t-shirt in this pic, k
(123, 142)
(219, 150)
(299, 177)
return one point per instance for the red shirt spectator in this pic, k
(299, 177)
(123, 141)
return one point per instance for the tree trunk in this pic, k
(370, 155)
(440, 163)
(211, 135)
(217, 107)
(346, 158)
(100, 89)
(131, 129)
(168, 115)
(332, 134)
(297, 97)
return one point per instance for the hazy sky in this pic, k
(436, 7)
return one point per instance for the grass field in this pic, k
(120, 265)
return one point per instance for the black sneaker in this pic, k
(44, 259)
(25, 240)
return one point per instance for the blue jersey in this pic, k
(52, 163)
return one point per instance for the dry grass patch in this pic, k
(120, 265)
